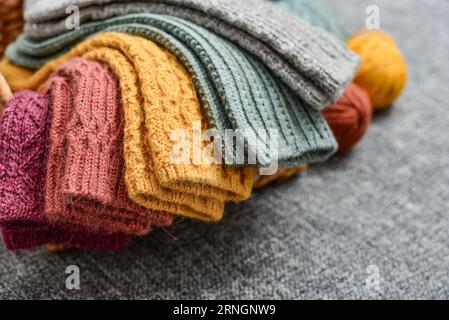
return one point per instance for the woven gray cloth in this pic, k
(385, 205)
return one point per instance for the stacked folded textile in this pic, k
(149, 111)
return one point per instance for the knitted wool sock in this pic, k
(134, 61)
(197, 191)
(85, 166)
(23, 139)
(314, 63)
(237, 91)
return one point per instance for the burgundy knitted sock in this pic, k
(23, 147)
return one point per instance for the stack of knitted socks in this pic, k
(88, 158)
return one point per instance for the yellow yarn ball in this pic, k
(383, 71)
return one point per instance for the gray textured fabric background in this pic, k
(385, 204)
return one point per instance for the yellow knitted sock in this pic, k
(141, 179)
(158, 96)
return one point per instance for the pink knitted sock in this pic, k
(23, 146)
(85, 162)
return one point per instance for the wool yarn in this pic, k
(383, 72)
(11, 22)
(5, 93)
(85, 171)
(314, 63)
(237, 91)
(262, 181)
(317, 13)
(350, 117)
(23, 139)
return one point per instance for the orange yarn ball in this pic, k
(383, 71)
(350, 117)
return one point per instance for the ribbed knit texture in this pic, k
(23, 146)
(85, 176)
(148, 75)
(237, 91)
(314, 63)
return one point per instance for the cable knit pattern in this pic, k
(315, 64)
(237, 91)
(132, 59)
(85, 163)
(23, 146)
(14, 73)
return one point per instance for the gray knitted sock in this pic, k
(313, 63)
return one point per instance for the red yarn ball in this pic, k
(350, 117)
